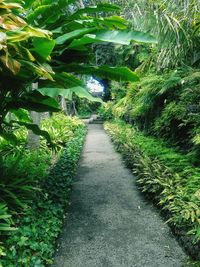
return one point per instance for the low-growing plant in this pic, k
(5, 225)
(33, 244)
(167, 176)
(28, 193)
(21, 174)
(61, 128)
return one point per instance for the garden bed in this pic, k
(39, 222)
(167, 177)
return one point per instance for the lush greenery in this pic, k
(175, 24)
(163, 147)
(46, 49)
(161, 139)
(86, 108)
(166, 175)
(51, 51)
(164, 105)
(34, 191)
(43, 55)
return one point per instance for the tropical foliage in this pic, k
(47, 48)
(31, 183)
(42, 58)
(161, 140)
(174, 23)
(164, 105)
(52, 56)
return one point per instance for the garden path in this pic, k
(109, 223)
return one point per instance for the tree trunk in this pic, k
(33, 139)
(63, 105)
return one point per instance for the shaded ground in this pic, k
(109, 223)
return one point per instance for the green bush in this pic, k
(33, 244)
(165, 105)
(105, 111)
(61, 128)
(23, 170)
(86, 108)
(21, 174)
(29, 190)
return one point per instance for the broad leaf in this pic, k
(37, 102)
(112, 73)
(21, 115)
(42, 70)
(38, 12)
(67, 93)
(83, 93)
(123, 37)
(6, 227)
(12, 64)
(26, 33)
(43, 46)
(10, 137)
(111, 23)
(72, 35)
(9, 5)
(67, 80)
(54, 92)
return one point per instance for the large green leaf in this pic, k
(10, 137)
(83, 93)
(112, 73)
(38, 12)
(72, 35)
(123, 37)
(43, 46)
(42, 70)
(54, 92)
(67, 93)
(116, 73)
(6, 227)
(37, 102)
(67, 80)
(21, 115)
(9, 5)
(112, 23)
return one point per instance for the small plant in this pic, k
(5, 225)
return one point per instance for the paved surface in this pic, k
(109, 223)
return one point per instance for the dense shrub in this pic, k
(105, 111)
(86, 108)
(60, 128)
(33, 243)
(35, 197)
(166, 175)
(165, 105)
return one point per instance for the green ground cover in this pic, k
(34, 192)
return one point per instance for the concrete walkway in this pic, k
(110, 224)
